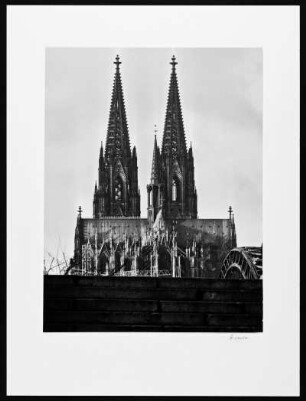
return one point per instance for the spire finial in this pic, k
(117, 62)
(155, 160)
(80, 212)
(173, 62)
(230, 211)
(155, 130)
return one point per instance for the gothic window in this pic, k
(118, 189)
(174, 191)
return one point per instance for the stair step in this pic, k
(83, 327)
(151, 282)
(123, 305)
(211, 307)
(130, 305)
(76, 303)
(153, 318)
(153, 293)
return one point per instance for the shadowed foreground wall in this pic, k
(76, 303)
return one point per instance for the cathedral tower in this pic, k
(117, 192)
(155, 188)
(173, 189)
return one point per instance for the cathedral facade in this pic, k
(172, 240)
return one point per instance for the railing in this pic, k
(128, 273)
(143, 273)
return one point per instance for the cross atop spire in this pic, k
(230, 211)
(173, 62)
(117, 62)
(155, 130)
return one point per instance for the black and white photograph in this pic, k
(162, 151)
(153, 201)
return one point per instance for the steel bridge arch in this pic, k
(243, 263)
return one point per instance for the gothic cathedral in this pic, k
(172, 240)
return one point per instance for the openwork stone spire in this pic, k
(174, 143)
(172, 185)
(117, 193)
(117, 141)
(155, 171)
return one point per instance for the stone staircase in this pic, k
(86, 304)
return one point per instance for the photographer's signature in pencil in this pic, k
(238, 337)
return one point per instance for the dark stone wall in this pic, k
(83, 304)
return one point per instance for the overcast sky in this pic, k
(221, 97)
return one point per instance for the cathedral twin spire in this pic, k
(172, 186)
(174, 142)
(118, 192)
(172, 179)
(117, 139)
